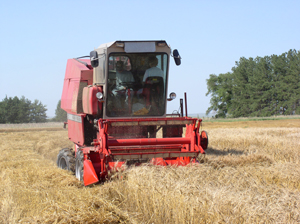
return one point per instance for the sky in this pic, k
(38, 37)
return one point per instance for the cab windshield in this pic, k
(136, 84)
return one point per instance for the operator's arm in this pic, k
(119, 85)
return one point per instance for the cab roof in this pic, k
(136, 46)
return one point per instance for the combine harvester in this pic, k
(116, 105)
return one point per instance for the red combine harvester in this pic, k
(116, 105)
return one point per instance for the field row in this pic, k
(250, 174)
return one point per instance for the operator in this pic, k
(151, 91)
(153, 70)
(122, 76)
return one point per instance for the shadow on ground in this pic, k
(223, 152)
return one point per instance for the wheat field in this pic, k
(250, 174)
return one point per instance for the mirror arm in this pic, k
(83, 62)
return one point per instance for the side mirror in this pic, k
(94, 59)
(172, 96)
(177, 57)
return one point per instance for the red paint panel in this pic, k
(89, 174)
(74, 69)
(77, 76)
(76, 130)
(147, 141)
(90, 102)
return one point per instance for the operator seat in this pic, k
(154, 91)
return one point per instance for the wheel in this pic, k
(79, 165)
(204, 140)
(66, 159)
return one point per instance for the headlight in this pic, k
(99, 96)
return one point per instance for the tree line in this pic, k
(22, 110)
(15, 110)
(261, 86)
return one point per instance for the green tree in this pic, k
(24, 110)
(220, 88)
(60, 114)
(3, 108)
(290, 80)
(280, 83)
(258, 87)
(15, 110)
(38, 112)
(12, 110)
(241, 89)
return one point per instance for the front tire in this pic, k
(66, 159)
(79, 165)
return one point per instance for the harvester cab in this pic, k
(116, 105)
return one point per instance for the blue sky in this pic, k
(37, 38)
